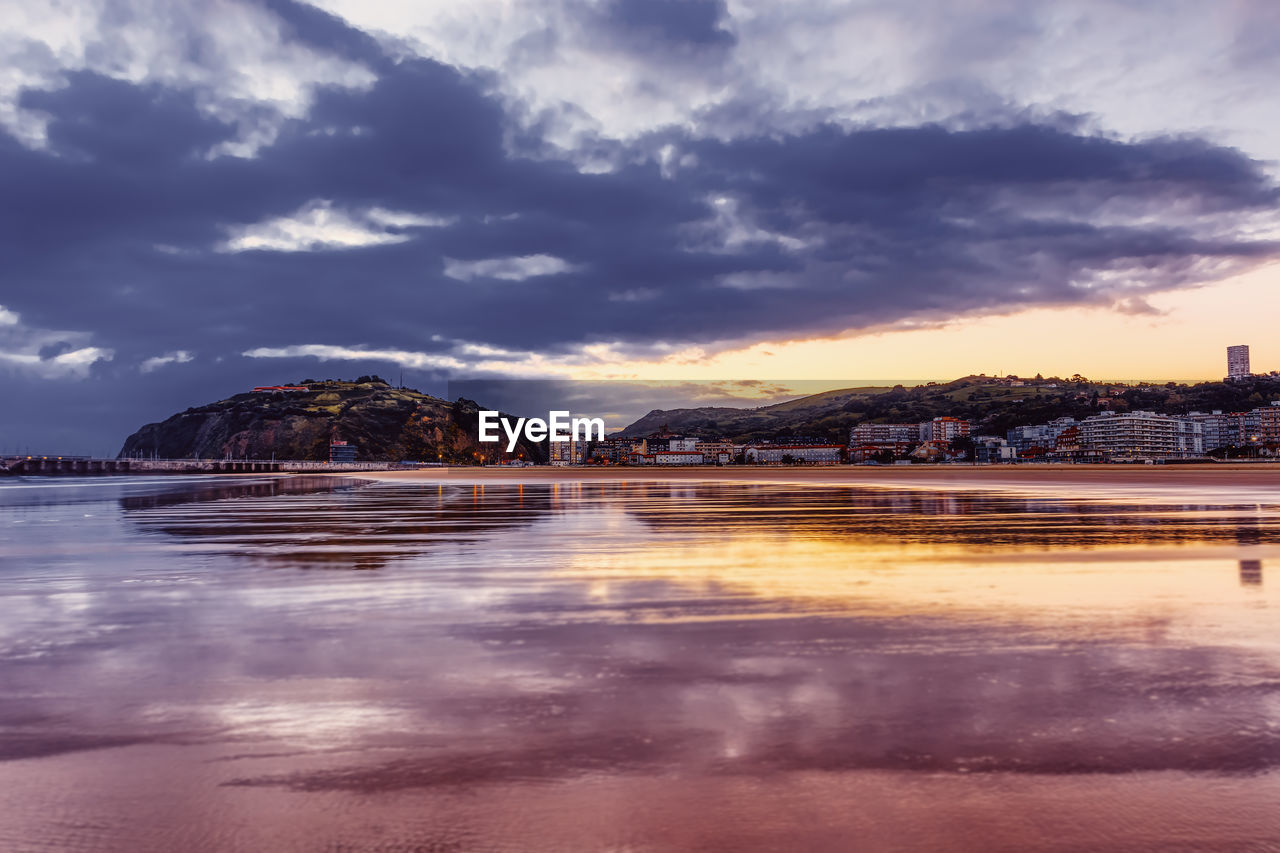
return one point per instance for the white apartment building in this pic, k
(864, 435)
(1188, 438)
(776, 454)
(1219, 430)
(1137, 435)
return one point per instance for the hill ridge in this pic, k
(994, 404)
(383, 422)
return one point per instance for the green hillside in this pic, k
(384, 423)
(993, 404)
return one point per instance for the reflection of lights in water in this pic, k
(1250, 572)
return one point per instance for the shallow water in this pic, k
(316, 663)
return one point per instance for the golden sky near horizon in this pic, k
(1186, 340)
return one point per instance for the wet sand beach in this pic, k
(563, 660)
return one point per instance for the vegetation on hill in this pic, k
(993, 404)
(384, 424)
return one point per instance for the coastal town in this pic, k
(1108, 436)
(977, 420)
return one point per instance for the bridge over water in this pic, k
(88, 466)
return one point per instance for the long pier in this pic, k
(84, 466)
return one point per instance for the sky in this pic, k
(196, 198)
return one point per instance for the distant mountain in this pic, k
(384, 423)
(994, 404)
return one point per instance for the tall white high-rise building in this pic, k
(1238, 362)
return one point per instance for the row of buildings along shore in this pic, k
(664, 448)
(1106, 437)
(1124, 436)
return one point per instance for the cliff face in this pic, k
(383, 423)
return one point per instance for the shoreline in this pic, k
(1224, 482)
(1250, 476)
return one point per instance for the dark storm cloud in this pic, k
(677, 25)
(895, 222)
(317, 28)
(117, 228)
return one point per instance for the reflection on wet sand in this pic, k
(782, 656)
(333, 529)
(392, 523)
(1250, 572)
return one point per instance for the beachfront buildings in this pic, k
(926, 440)
(1038, 439)
(1145, 435)
(944, 429)
(1217, 429)
(666, 457)
(781, 454)
(1238, 362)
(1118, 436)
(1070, 447)
(1139, 435)
(1265, 425)
(882, 441)
(1256, 427)
(658, 443)
(611, 451)
(560, 453)
(571, 452)
(993, 448)
(662, 449)
(883, 435)
(666, 449)
(717, 452)
(1188, 439)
